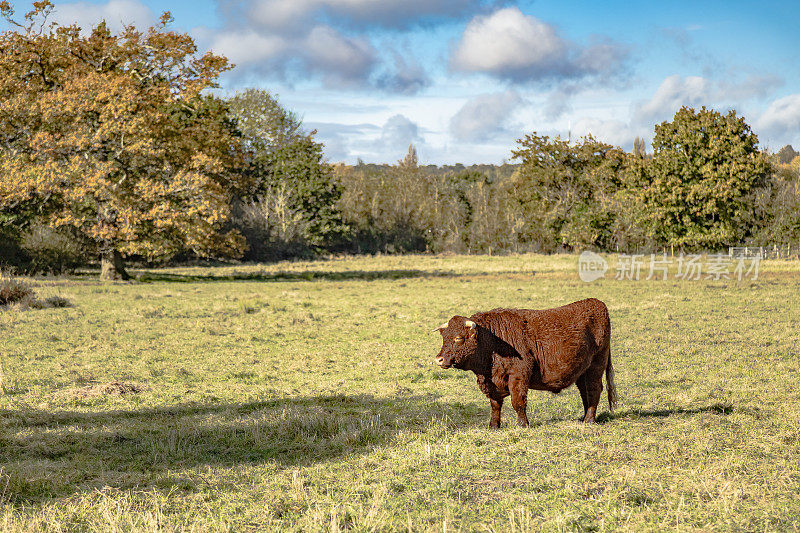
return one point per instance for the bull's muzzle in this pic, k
(440, 362)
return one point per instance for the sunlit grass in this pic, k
(301, 396)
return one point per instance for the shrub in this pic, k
(51, 250)
(273, 227)
(13, 290)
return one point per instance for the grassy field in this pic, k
(302, 397)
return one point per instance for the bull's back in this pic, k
(574, 322)
(568, 325)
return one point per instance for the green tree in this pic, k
(559, 188)
(703, 179)
(113, 133)
(287, 164)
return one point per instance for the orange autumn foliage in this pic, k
(116, 136)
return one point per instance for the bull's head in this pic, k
(460, 341)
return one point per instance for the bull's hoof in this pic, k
(494, 425)
(522, 423)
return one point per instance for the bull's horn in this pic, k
(440, 328)
(470, 324)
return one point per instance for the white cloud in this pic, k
(342, 59)
(244, 48)
(782, 117)
(292, 15)
(511, 45)
(753, 86)
(484, 116)
(339, 60)
(673, 93)
(323, 39)
(399, 132)
(610, 131)
(116, 13)
(558, 102)
(338, 138)
(603, 57)
(407, 78)
(387, 143)
(279, 16)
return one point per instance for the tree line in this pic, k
(705, 185)
(117, 147)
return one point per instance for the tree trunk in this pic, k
(112, 267)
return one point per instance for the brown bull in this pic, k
(513, 350)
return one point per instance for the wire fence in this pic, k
(772, 251)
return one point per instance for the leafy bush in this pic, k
(11, 253)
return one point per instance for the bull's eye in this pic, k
(459, 339)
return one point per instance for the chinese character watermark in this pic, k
(692, 267)
(629, 266)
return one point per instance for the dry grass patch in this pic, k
(13, 290)
(16, 292)
(102, 389)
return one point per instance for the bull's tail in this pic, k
(612, 389)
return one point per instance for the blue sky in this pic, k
(463, 79)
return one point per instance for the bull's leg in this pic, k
(581, 383)
(519, 400)
(593, 382)
(495, 399)
(497, 404)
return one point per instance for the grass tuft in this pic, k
(13, 290)
(16, 292)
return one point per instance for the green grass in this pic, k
(302, 397)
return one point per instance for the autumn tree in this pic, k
(395, 208)
(702, 182)
(115, 136)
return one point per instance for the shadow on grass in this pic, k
(307, 275)
(717, 408)
(52, 454)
